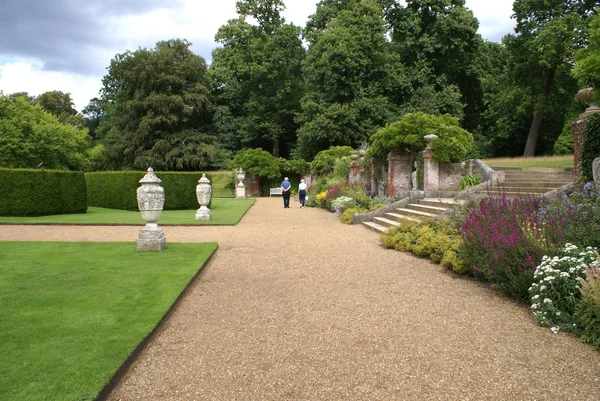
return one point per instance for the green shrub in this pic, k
(28, 192)
(406, 135)
(469, 180)
(587, 312)
(554, 293)
(324, 160)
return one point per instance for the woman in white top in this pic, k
(302, 192)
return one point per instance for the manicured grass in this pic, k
(71, 313)
(223, 211)
(532, 162)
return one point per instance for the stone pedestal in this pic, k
(151, 238)
(240, 191)
(240, 188)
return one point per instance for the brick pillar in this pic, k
(354, 173)
(399, 169)
(431, 171)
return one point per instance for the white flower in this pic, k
(555, 329)
(547, 301)
(542, 288)
(535, 296)
(557, 313)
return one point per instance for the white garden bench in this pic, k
(275, 191)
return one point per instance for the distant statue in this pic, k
(413, 179)
(596, 169)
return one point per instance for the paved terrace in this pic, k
(297, 306)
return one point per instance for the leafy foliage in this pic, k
(587, 311)
(324, 161)
(31, 137)
(554, 293)
(406, 135)
(257, 162)
(587, 59)
(346, 70)
(157, 108)
(469, 180)
(257, 80)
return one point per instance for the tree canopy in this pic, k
(30, 137)
(157, 109)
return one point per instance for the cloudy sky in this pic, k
(67, 44)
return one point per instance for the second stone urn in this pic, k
(203, 194)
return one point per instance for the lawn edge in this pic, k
(122, 370)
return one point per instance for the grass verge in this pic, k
(72, 313)
(532, 162)
(223, 212)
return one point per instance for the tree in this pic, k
(93, 114)
(30, 137)
(438, 42)
(407, 135)
(587, 59)
(257, 79)
(61, 105)
(541, 52)
(156, 108)
(257, 162)
(347, 71)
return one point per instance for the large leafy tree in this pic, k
(348, 69)
(547, 34)
(438, 41)
(61, 105)
(31, 137)
(156, 106)
(587, 60)
(257, 79)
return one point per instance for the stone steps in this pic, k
(523, 182)
(421, 210)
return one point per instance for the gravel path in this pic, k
(297, 306)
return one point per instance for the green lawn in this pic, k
(223, 211)
(71, 313)
(532, 162)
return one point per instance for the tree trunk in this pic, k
(276, 148)
(534, 129)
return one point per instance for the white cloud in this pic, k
(28, 76)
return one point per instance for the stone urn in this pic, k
(240, 175)
(587, 95)
(203, 194)
(354, 157)
(429, 138)
(151, 199)
(362, 153)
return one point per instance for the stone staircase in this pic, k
(519, 181)
(420, 210)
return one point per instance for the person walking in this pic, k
(286, 188)
(302, 192)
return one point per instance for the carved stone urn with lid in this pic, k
(151, 199)
(203, 194)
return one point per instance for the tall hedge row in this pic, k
(117, 189)
(30, 192)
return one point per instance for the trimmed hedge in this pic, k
(117, 189)
(30, 192)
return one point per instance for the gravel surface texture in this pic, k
(297, 306)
